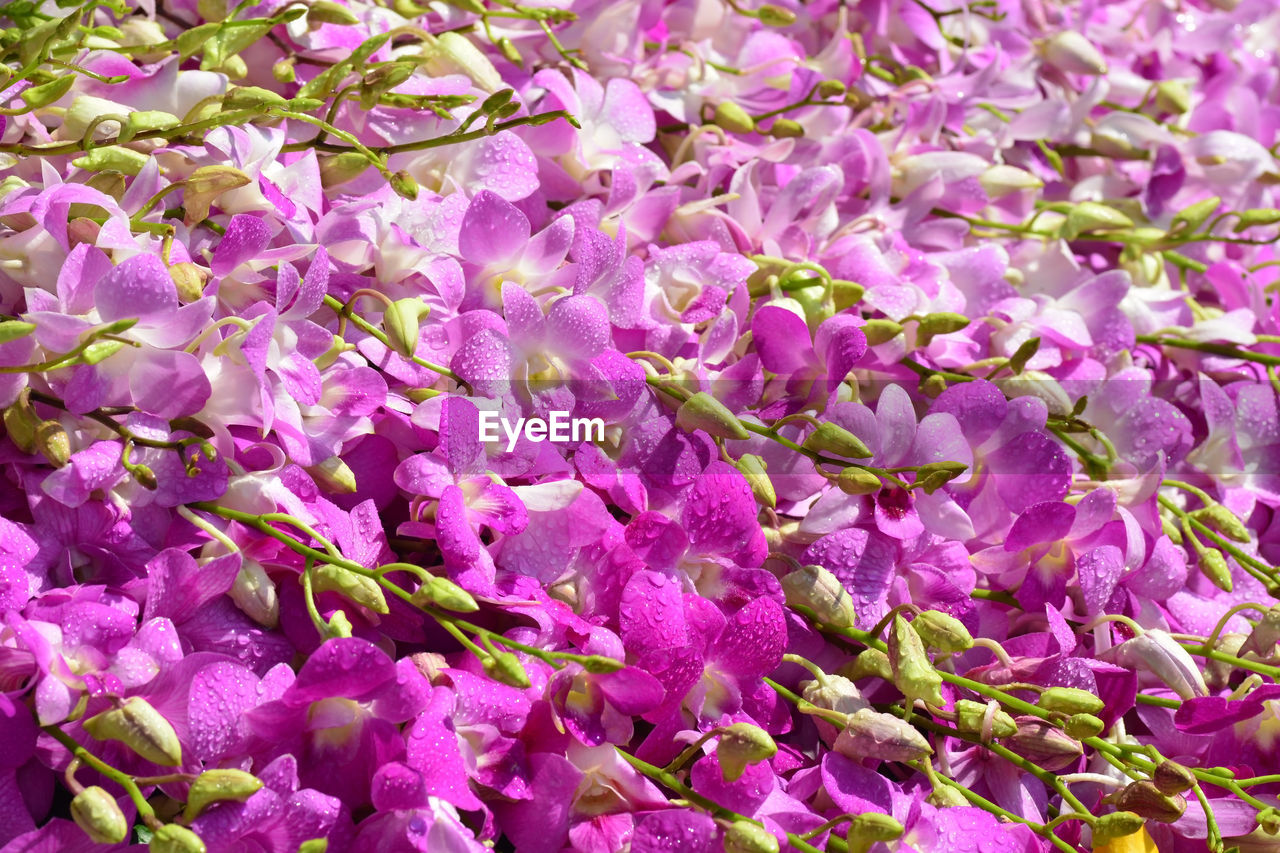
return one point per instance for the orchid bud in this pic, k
(733, 118)
(1088, 216)
(328, 12)
(940, 323)
(205, 185)
(1000, 180)
(828, 89)
(743, 836)
(21, 423)
(833, 438)
(775, 16)
(1042, 743)
(456, 53)
(869, 827)
(334, 476)
(1190, 218)
(1214, 566)
(1173, 96)
(172, 838)
(218, 785)
(189, 280)
(913, 673)
(834, 693)
(1226, 521)
(100, 351)
(98, 814)
(871, 662)
(251, 97)
(234, 67)
(340, 168)
(338, 627)
(1071, 52)
(284, 70)
(704, 412)
(255, 594)
(1145, 799)
(1269, 820)
(932, 386)
(443, 592)
(1069, 700)
(741, 744)
(401, 322)
(973, 717)
(1256, 216)
(600, 665)
(872, 734)
(942, 631)
(12, 330)
(403, 184)
(361, 589)
(114, 157)
(845, 294)
(1080, 726)
(1025, 352)
(505, 668)
(140, 727)
(785, 128)
(1171, 778)
(52, 441)
(1035, 383)
(753, 469)
(817, 589)
(1116, 825)
(47, 93)
(509, 51)
(858, 481)
(946, 797)
(880, 331)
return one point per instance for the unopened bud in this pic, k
(872, 734)
(314, 845)
(933, 385)
(46, 93)
(1269, 821)
(402, 321)
(1000, 180)
(505, 668)
(834, 693)
(100, 351)
(328, 12)
(833, 438)
(114, 157)
(98, 814)
(704, 412)
(733, 118)
(785, 128)
(1116, 825)
(1171, 778)
(819, 590)
(869, 663)
(753, 469)
(880, 331)
(742, 744)
(946, 797)
(940, 323)
(942, 631)
(1173, 96)
(12, 330)
(775, 16)
(743, 836)
(188, 280)
(845, 294)
(217, 785)
(509, 51)
(284, 70)
(975, 717)
(870, 827)
(361, 589)
(1024, 353)
(338, 627)
(600, 665)
(403, 184)
(443, 592)
(1214, 566)
(1145, 799)
(255, 594)
(1226, 521)
(172, 838)
(340, 168)
(1042, 743)
(1080, 726)
(1190, 218)
(935, 475)
(1256, 216)
(1038, 384)
(140, 727)
(205, 185)
(858, 481)
(1069, 700)
(1071, 52)
(828, 89)
(1089, 216)
(21, 423)
(913, 673)
(334, 476)
(251, 97)
(52, 441)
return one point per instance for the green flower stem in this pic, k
(439, 141)
(672, 782)
(1269, 575)
(1212, 640)
(1226, 350)
(102, 417)
(121, 778)
(309, 597)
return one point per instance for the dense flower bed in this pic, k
(637, 425)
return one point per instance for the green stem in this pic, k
(121, 778)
